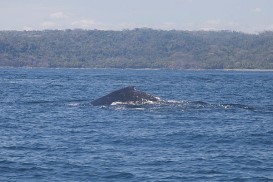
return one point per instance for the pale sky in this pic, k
(251, 16)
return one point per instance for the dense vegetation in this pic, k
(139, 48)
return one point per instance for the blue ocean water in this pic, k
(214, 126)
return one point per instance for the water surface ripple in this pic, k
(213, 126)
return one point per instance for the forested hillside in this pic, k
(139, 48)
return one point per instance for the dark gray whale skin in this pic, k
(127, 94)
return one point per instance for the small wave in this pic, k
(175, 102)
(120, 175)
(77, 103)
(69, 103)
(237, 106)
(11, 166)
(257, 178)
(132, 103)
(38, 102)
(209, 172)
(73, 104)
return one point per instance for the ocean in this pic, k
(213, 126)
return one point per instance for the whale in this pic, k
(127, 95)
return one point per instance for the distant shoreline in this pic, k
(143, 69)
(137, 49)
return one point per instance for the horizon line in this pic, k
(136, 28)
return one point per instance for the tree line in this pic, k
(138, 48)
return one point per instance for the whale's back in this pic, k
(125, 95)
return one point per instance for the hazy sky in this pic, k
(250, 16)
